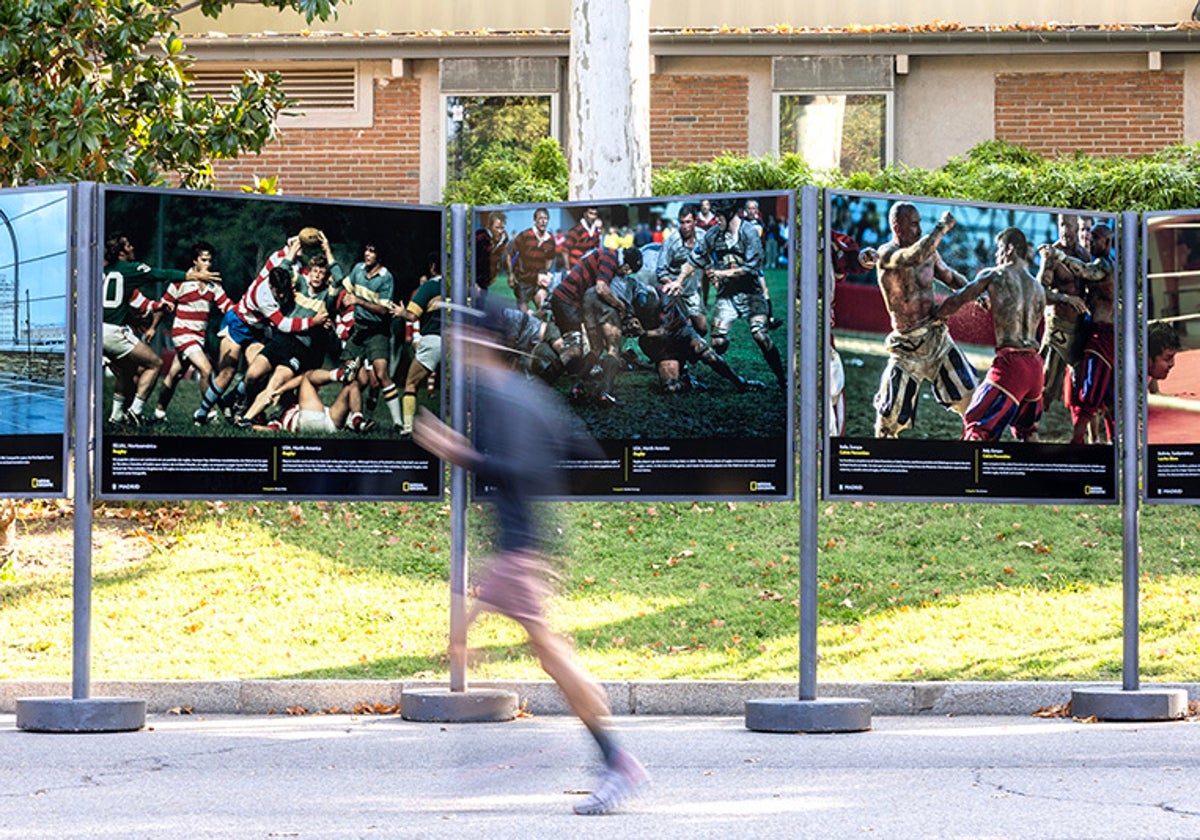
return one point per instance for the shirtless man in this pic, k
(1092, 378)
(1011, 393)
(1061, 343)
(919, 346)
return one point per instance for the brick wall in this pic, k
(696, 118)
(1097, 113)
(379, 163)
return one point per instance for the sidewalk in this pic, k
(343, 776)
(668, 697)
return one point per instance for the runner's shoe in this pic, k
(625, 779)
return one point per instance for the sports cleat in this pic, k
(160, 414)
(350, 369)
(132, 418)
(624, 780)
(607, 400)
(751, 385)
(200, 417)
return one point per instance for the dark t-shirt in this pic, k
(520, 459)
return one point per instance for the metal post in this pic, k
(807, 713)
(1127, 403)
(81, 712)
(458, 705)
(84, 372)
(1131, 702)
(809, 318)
(458, 476)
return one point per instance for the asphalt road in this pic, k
(342, 776)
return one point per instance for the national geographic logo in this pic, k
(762, 486)
(1093, 490)
(42, 483)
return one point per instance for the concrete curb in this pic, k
(674, 697)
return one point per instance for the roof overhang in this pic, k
(268, 46)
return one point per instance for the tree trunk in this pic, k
(609, 107)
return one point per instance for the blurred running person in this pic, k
(520, 460)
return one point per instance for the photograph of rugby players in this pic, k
(652, 326)
(223, 313)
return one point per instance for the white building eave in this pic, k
(383, 46)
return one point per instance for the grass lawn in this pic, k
(655, 591)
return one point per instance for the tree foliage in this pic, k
(99, 90)
(537, 175)
(993, 171)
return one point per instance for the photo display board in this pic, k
(972, 351)
(680, 369)
(35, 305)
(1171, 355)
(256, 346)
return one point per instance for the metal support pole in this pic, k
(807, 713)
(458, 475)
(458, 705)
(1131, 702)
(1127, 405)
(84, 368)
(82, 713)
(809, 447)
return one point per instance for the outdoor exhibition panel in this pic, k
(36, 265)
(314, 424)
(1171, 355)
(972, 351)
(678, 363)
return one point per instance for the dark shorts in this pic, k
(597, 311)
(679, 347)
(287, 350)
(370, 343)
(567, 316)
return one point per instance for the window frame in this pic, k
(889, 119)
(444, 115)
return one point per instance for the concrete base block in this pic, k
(1112, 703)
(440, 705)
(832, 714)
(65, 714)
